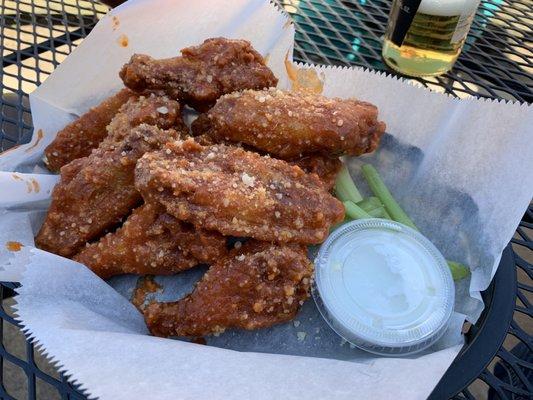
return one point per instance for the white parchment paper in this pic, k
(461, 168)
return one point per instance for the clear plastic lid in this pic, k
(383, 287)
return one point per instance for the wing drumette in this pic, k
(238, 193)
(260, 285)
(78, 138)
(97, 191)
(152, 242)
(290, 125)
(202, 73)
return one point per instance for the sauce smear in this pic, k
(14, 246)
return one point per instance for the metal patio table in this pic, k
(497, 63)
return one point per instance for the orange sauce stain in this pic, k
(16, 177)
(11, 149)
(115, 22)
(40, 135)
(36, 186)
(14, 246)
(123, 41)
(29, 186)
(145, 286)
(266, 58)
(304, 78)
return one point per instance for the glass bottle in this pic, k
(425, 37)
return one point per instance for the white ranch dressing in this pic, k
(383, 287)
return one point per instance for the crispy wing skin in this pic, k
(289, 125)
(154, 110)
(238, 193)
(325, 167)
(78, 138)
(260, 285)
(202, 73)
(97, 192)
(152, 242)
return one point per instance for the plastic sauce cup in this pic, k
(383, 287)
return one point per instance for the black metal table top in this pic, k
(497, 362)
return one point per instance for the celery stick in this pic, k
(373, 206)
(380, 190)
(370, 203)
(459, 271)
(378, 212)
(353, 211)
(345, 188)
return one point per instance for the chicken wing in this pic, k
(260, 285)
(325, 167)
(238, 193)
(290, 125)
(78, 138)
(202, 73)
(97, 191)
(154, 110)
(152, 242)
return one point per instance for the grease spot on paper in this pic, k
(304, 78)
(40, 135)
(35, 185)
(123, 40)
(14, 246)
(115, 22)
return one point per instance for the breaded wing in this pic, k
(78, 138)
(152, 242)
(238, 193)
(260, 285)
(325, 167)
(202, 73)
(97, 192)
(154, 110)
(289, 125)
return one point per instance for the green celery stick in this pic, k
(459, 271)
(380, 190)
(373, 206)
(378, 212)
(345, 188)
(353, 211)
(370, 203)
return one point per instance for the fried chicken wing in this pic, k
(238, 193)
(325, 167)
(202, 73)
(154, 110)
(97, 191)
(78, 138)
(289, 125)
(260, 285)
(152, 242)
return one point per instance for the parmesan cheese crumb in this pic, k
(301, 336)
(296, 323)
(247, 179)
